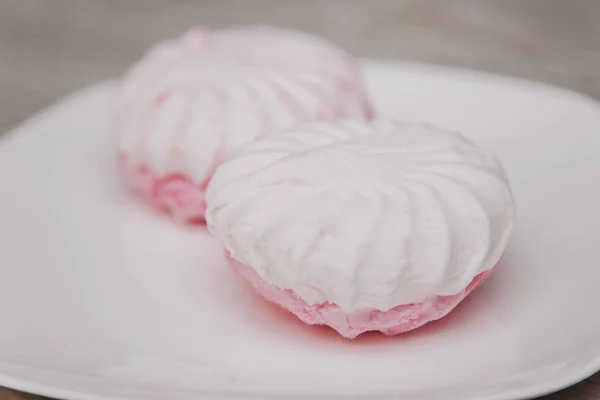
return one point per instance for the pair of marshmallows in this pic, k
(344, 220)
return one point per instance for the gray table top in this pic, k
(50, 48)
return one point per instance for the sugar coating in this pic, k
(191, 102)
(363, 215)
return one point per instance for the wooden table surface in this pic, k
(50, 48)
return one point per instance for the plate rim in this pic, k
(530, 391)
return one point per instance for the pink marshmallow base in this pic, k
(399, 319)
(175, 194)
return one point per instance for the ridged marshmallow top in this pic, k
(363, 215)
(191, 102)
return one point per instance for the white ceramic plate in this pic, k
(100, 298)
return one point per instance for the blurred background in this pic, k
(49, 48)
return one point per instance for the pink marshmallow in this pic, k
(402, 318)
(174, 194)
